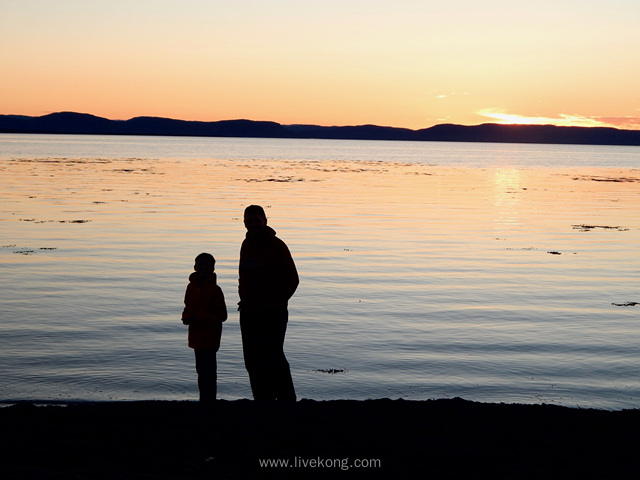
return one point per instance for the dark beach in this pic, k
(450, 438)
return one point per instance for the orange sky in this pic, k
(402, 63)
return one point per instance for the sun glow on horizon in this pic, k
(563, 120)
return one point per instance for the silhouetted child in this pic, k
(204, 312)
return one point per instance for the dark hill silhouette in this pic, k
(360, 132)
(163, 126)
(63, 122)
(81, 123)
(491, 132)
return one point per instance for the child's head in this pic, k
(205, 264)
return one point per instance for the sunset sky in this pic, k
(401, 63)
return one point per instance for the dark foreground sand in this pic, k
(330, 439)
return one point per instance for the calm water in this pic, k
(497, 273)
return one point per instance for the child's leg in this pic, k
(206, 367)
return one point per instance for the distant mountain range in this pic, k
(82, 123)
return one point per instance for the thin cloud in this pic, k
(629, 122)
(450, 94)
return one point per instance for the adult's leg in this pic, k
(263, 333)
(282, 381)
(254, 333)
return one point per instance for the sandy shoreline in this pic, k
(450, 438)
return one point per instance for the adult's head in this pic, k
(255, 220)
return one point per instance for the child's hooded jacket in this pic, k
(206, 310)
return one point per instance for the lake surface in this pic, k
(493, 272)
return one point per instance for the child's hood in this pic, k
(211, 280)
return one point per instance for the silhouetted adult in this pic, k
(268, 279)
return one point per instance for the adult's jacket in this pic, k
(268, 275)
